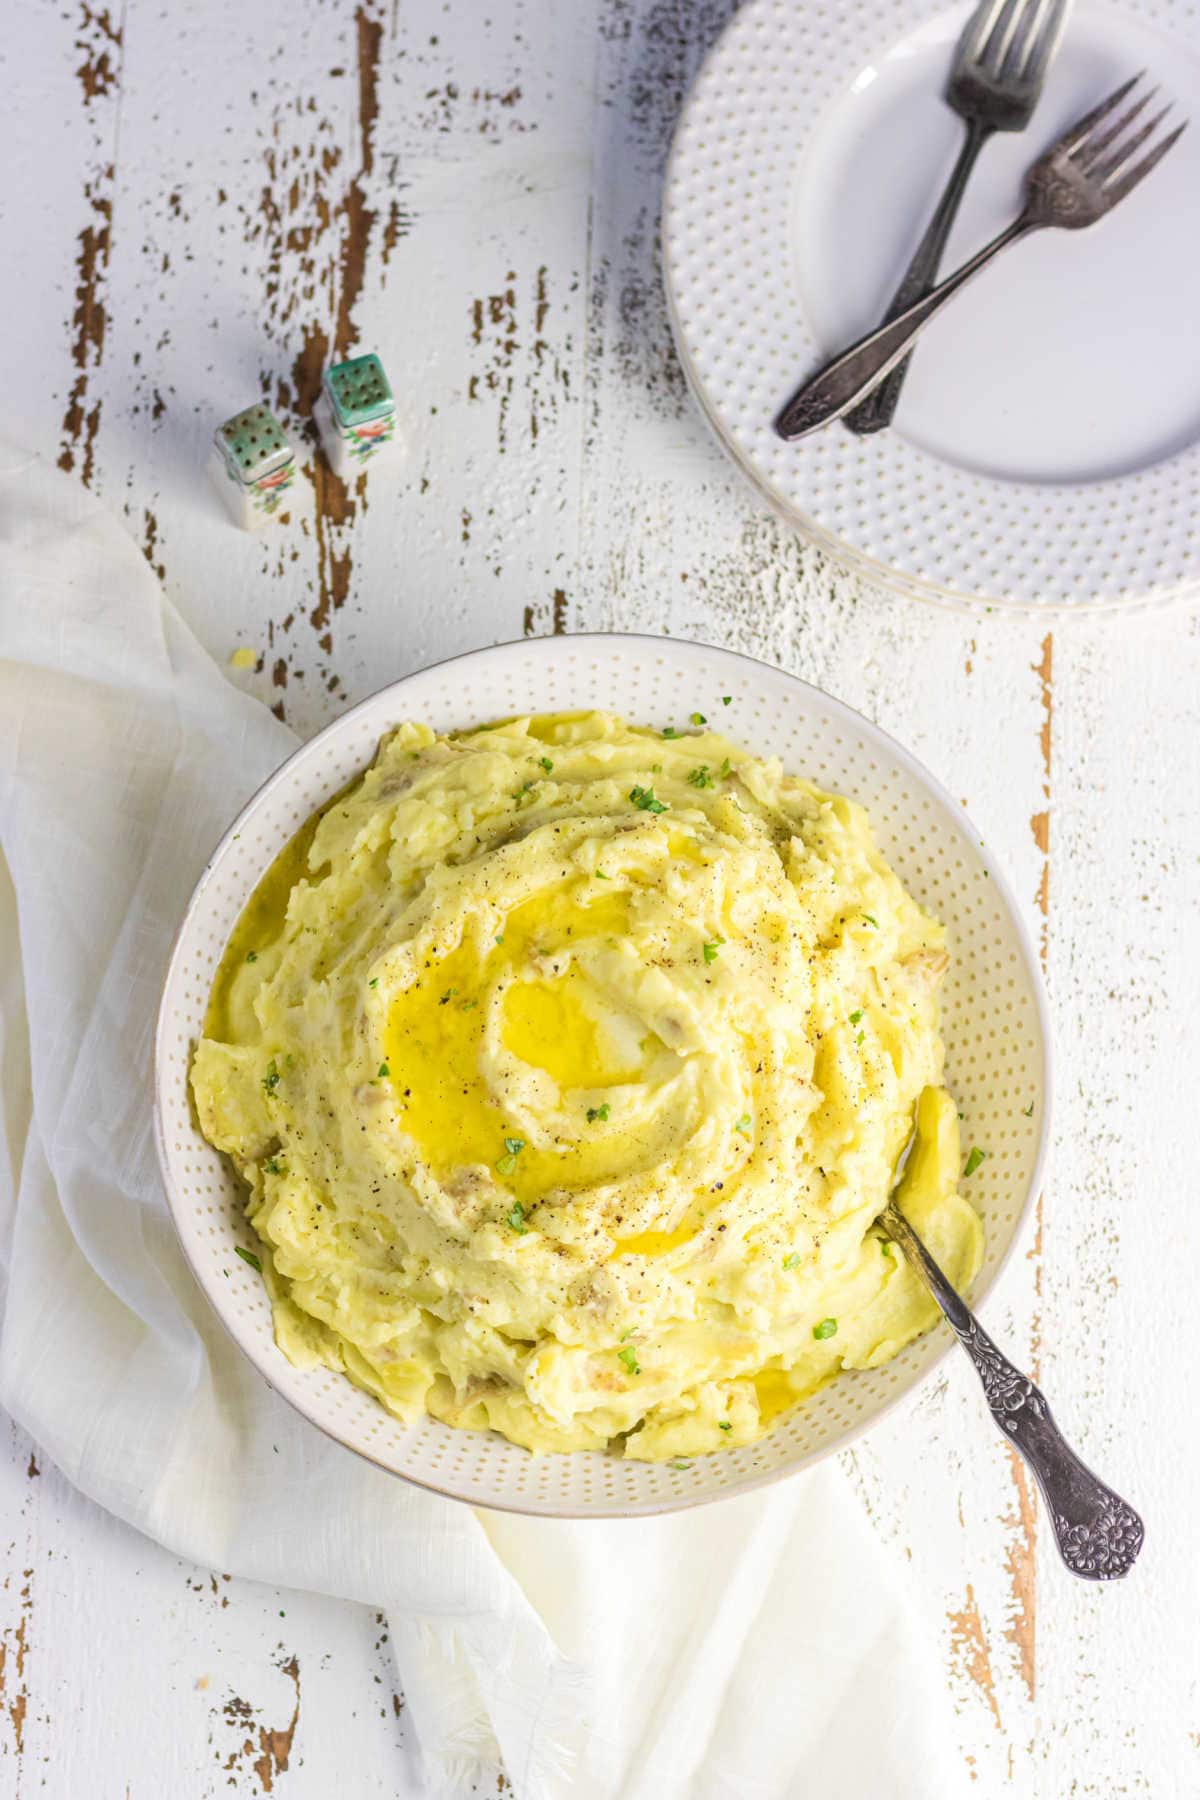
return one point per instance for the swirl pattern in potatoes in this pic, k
(567, 1064)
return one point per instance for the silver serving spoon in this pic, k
(1098, 1534)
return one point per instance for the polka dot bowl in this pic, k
(1046, 456)
(998, 1051)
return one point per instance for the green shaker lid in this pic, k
(254, 443)
(359, 390)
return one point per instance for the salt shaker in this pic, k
(252, 465)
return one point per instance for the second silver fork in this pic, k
(996, 78)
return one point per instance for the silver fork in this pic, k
(1091, 168)
(1098, 1533)
(995, 82)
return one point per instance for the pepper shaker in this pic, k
(355, 413)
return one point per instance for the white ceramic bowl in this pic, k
(995, 1022)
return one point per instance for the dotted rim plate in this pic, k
(891, 511)
(995, 1024)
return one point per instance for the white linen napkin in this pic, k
(762, 1648)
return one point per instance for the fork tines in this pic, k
(1013, 40)
(1087, 141)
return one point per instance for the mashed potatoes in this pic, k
(567, 1063)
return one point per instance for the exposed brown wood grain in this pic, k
(100, 41)
(1021, 1563)
(1044, 670)
(14, 1651)
(101, 45)
(264, 1751)
(1021, 1555)
(316, 226)
(276, 1743)
(81, 420)
(150, 546)
(359, 218)
(552, 613)
(494, 328)
(969, 1648)
(397, 225)
(1040, 821)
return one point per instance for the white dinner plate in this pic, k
(995, 1027)
(1046, 451)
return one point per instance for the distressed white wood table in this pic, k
(201, 205)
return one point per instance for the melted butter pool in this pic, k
(556, 1022)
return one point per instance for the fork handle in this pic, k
(878, 409)
(842, 383)
(1098, 1534)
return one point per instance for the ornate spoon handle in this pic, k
(1098, 1534)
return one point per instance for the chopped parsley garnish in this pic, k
(271, 1078)
(448, 995)
(513, 1147)
(646, 800)
(885, 1244)
(598, 1112)
(725, 770)
(545, 763)
(680, 1464)
(467, 1005)
(711, 951)
(384, 1072)
(726, 699)
(1029, 1110)
(871, 920)
(700, 777)
(743, 1124)
(252, 956)
(669, 731)
(856, 1016)
(698, 718)
(724, 1425)
(973, 1161)
(826, 1329)
(629, 1357)
(516, 1218)
(858, 1038)
(792, 1261)
(248, 1256)
(602, 876)
(272, 1166)
(374, 981)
